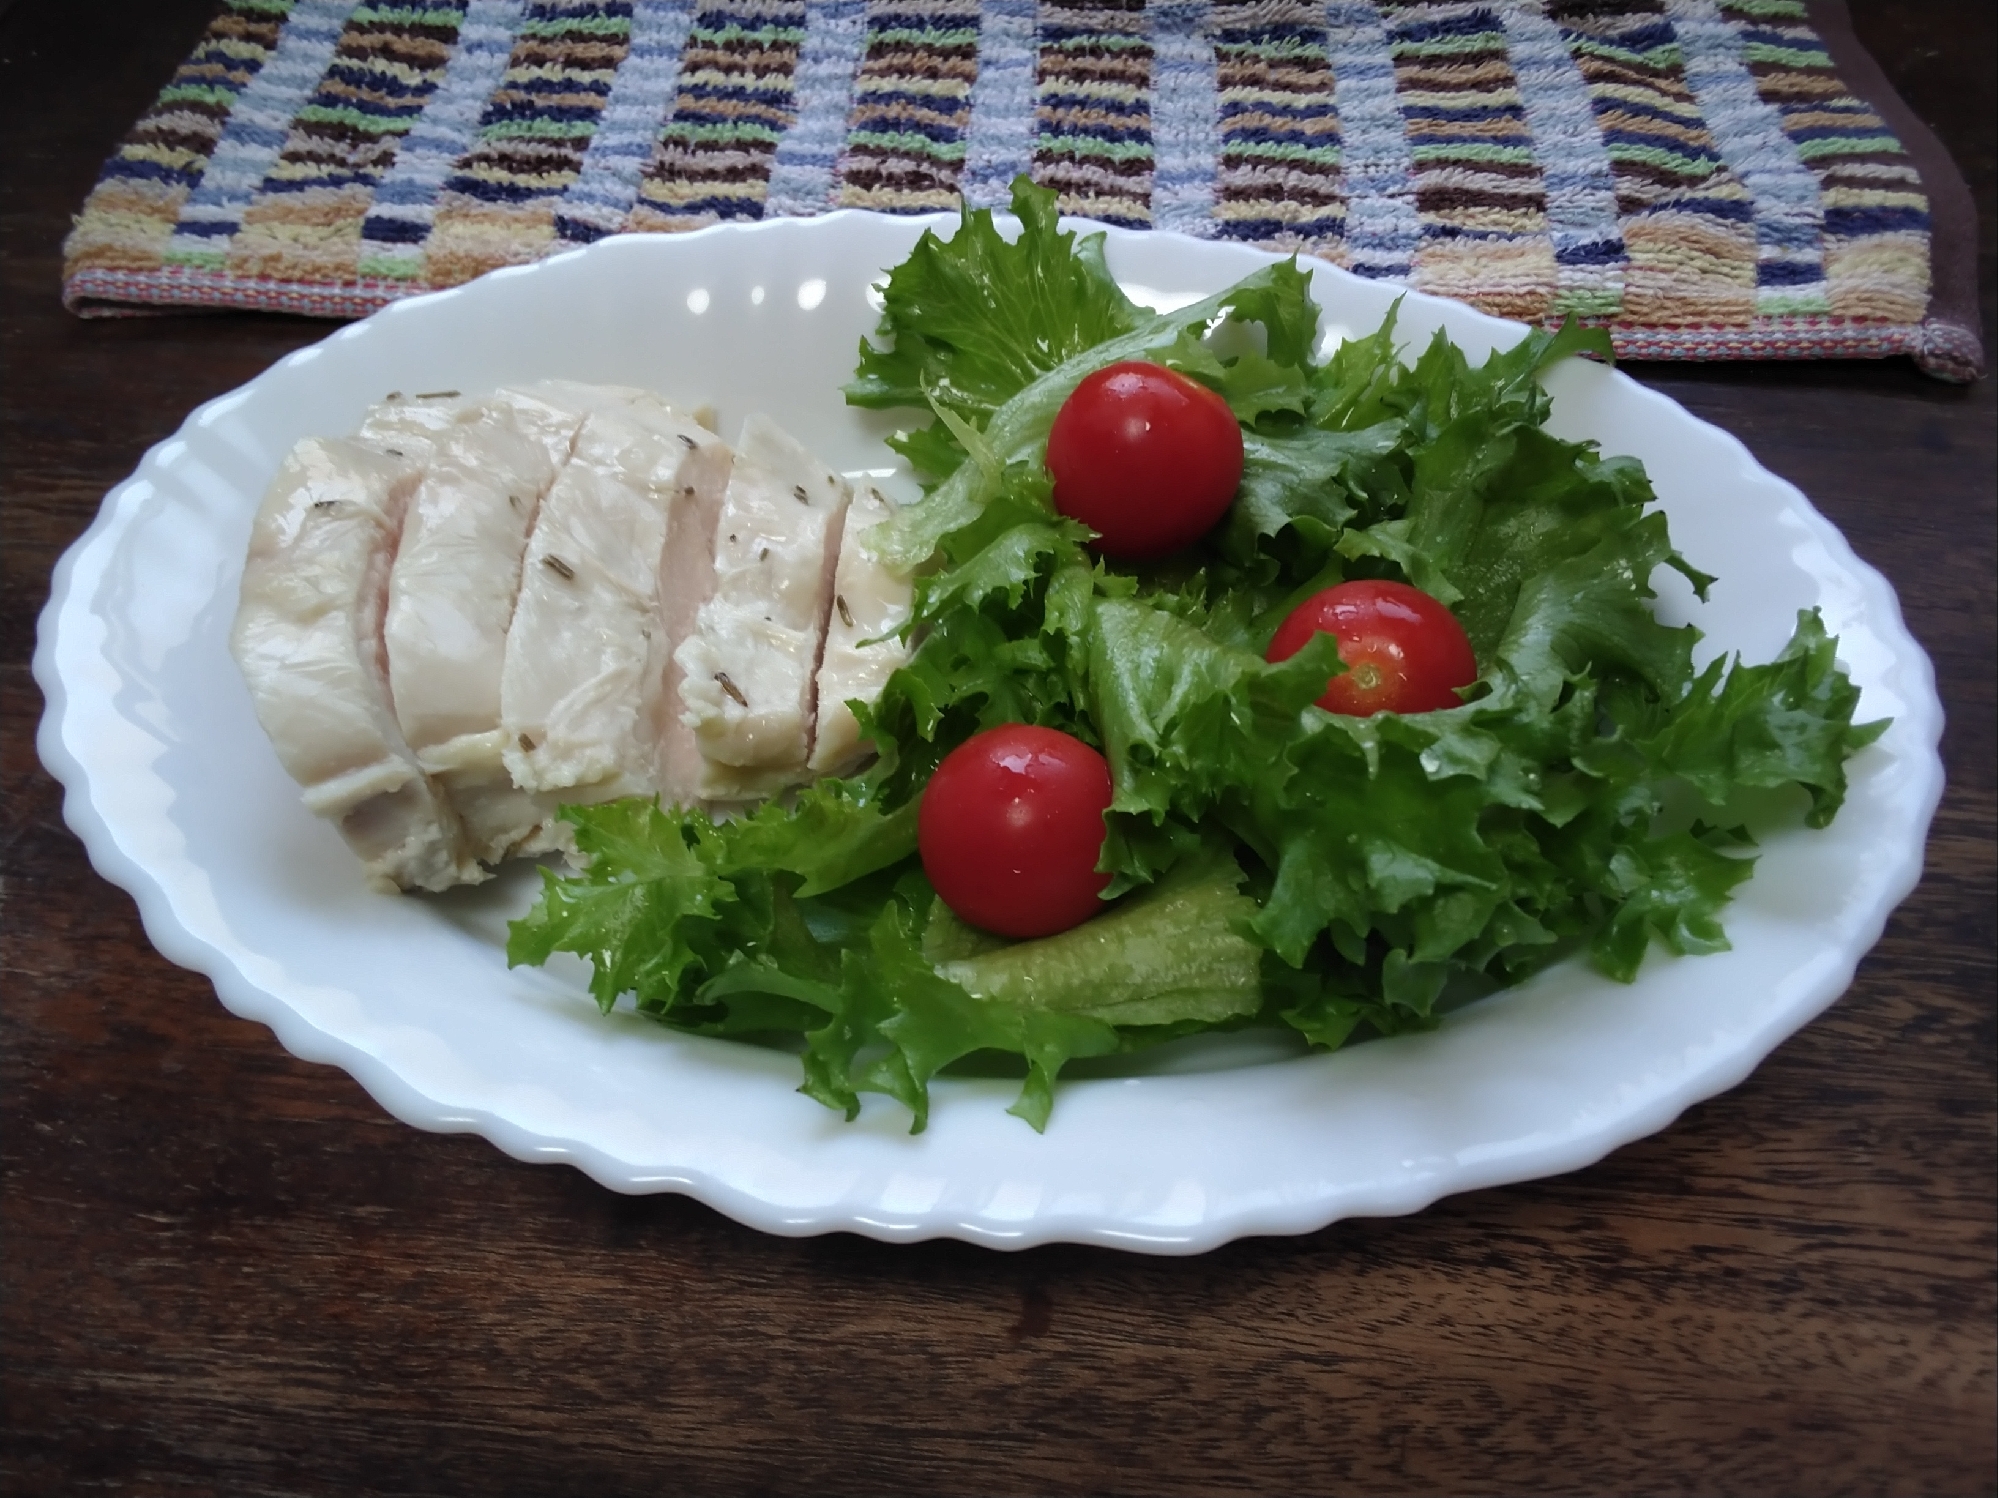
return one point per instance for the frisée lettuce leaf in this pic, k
(1271, 863)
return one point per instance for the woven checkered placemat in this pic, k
(1705, 177)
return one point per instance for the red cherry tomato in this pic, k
(1011, 827)
(1404, 651)
(1145, 457)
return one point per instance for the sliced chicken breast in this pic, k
(554, 409)
(686, 582)
(308, 637)
(870, 603)
(407, 426)
(686, 575)
(584, 671)
(548, 410)
(747, 669)
(451, 598)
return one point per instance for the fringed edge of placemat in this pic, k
(1941, 349)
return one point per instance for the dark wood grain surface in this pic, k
(227, 1271)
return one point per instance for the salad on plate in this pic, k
(1249, 684)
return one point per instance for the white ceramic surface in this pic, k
(179, 799)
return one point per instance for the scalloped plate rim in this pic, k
(107, 846)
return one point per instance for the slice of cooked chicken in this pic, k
(583, 673)
(746, 671)
(870, 603)
(407, 426)
(554, 409)
(686, 581)
(451, 598)
(308, 637)
(686, 573)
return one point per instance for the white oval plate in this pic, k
(179, 799)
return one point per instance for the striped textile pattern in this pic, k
(1874, 216)
(144, 190)
(738, 98)
(399, 221)
(1693, 174)
(911, 114)
(305, 220)
(1094, 140)
(499, 203)
(1479, 186)
(1278, 180)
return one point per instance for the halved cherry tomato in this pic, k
(1011, 827)
(1145, 457)
(1404, 651)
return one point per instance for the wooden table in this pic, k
(228, 1271)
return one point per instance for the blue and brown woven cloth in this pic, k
(1712, 179)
